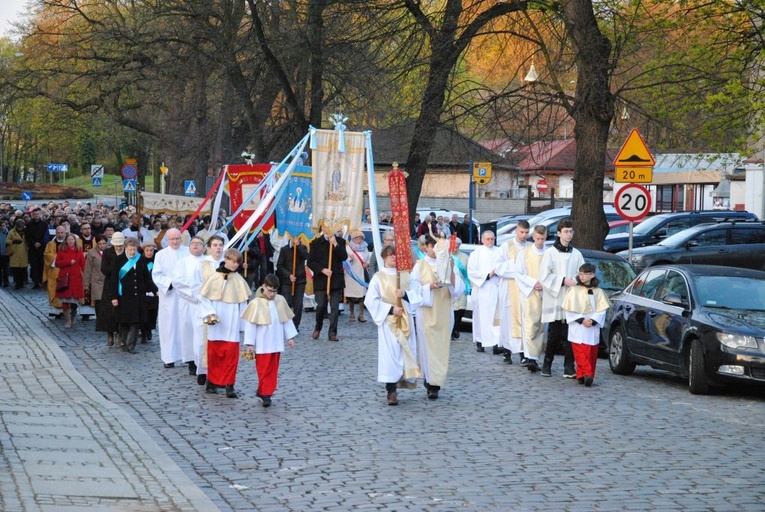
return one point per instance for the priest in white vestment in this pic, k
(509, 300)
(433, 318)
(167, 315)
(187, 280)
(484, 282)
(391, 310)
(530, 290)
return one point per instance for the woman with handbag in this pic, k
(70, 261)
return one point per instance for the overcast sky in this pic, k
(9, 11)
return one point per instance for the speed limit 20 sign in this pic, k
(633, 202)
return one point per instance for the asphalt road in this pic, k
(498, 438)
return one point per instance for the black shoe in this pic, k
(211, 388)
(533, 366)
(455, 335)
(588, 381)
(266, 401)
(524, 361)
(36, 287)
(496, 350)
(479, 347)
(392, 398)
(132, 350)
(169, 365)
(569, 373)
(546, 369)
(192, 368)
(148, 336)
(508, 357)
(580, 380)
(433, 393)
(202, 379)
(230, 393)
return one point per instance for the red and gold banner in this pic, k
(399, 207)
(243, 179)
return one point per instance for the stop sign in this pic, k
(542, 186)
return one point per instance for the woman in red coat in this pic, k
(70, 261)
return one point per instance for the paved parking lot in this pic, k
(498, 438)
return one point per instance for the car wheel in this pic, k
(618, 358)
(698, 383)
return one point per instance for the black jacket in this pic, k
(133, 306)
(284, 264)
(318, 259)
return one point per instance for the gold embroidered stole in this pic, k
(400, 326)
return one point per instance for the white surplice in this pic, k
(434, 321)
(510, 305)
(484, 294)
(167, 315)
(187, 280)
(556, 266)
(390, 354)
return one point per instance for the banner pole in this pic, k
(294, 264)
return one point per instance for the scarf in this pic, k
(360, 247)
(463, 272)
(127, 267)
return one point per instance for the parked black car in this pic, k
(703, 322)
(655, 229)
(734, 244)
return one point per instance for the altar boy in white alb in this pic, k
(510, 305)
(269, 324)
(585, 306)
(391, 311)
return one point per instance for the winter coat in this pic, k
(16, 248)
(64, 259)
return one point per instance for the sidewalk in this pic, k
(63, 446)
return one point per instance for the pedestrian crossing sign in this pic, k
(190, 187)
(96, 182)
(128, 185)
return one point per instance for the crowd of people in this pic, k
(140, 273)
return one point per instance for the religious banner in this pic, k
(152, 203)
(243, 179)
(399, 207)
(293, 215)
(338, 179)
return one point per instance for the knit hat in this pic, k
(355, 233)
(118, 239)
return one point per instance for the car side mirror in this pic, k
(660, 234)
(691, 243)
(674, 299)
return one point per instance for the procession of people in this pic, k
(201, 299)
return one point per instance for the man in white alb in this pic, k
(167, 316)
(510, 303)
(484, 282)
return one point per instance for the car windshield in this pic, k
(731, 292)
(649, 224)
(614, 275)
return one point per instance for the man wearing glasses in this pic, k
(558, 271)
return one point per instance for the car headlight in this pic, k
(736, 340)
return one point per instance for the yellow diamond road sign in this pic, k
(634, 163)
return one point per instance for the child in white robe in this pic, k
(585, 305)
(391, 311)
(269, 324)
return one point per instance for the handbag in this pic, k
(62, 283)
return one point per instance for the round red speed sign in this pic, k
(633, 202)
